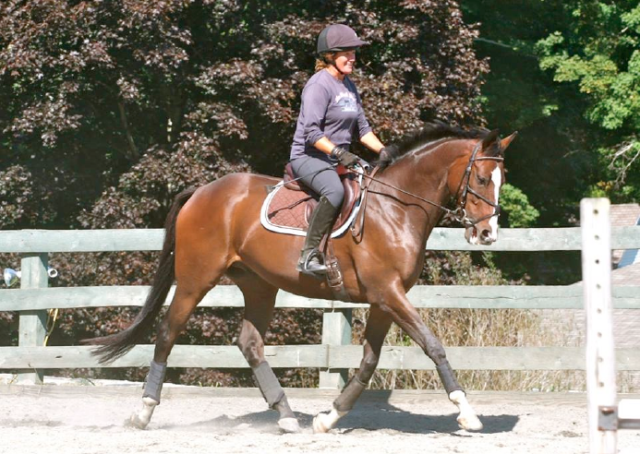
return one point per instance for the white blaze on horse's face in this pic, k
(486, 231)
(496, 178)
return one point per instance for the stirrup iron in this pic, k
(305, 266)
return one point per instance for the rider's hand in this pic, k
(389, 153)
(345, 157)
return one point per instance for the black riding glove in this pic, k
(389, 153)
(345, 157)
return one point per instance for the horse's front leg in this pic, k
(377, 327)
(408, 318)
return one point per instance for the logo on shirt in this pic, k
(346, 101)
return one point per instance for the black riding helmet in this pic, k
(338, 37)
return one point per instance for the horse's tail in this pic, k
(116, 345)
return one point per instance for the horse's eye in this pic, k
(483, 181)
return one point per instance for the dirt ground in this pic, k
(90, 419)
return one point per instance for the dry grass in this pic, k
(487, 327)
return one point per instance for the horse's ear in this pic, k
(504, 143)
(490, 139)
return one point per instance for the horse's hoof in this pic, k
(137, 422)
(141, 419)
(470, 423)
(320, 424)
(289, 425)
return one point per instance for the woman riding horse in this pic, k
(215, 231)
(330, 114)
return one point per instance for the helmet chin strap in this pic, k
(338, 69)
(332, 62)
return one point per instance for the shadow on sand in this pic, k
(385, 416)
(369, 415)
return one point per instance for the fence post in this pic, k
(600, 360)
(336, 330)
(33, 324)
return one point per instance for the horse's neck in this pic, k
(425, 174)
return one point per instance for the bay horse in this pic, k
(215, 230)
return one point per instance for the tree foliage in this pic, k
(566, 74)
(519, 211)
(181, 92)
(598, 53)
(111, 108)
(550, 161)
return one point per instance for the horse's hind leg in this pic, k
(190, 290)
(259, 299)
(377, 327)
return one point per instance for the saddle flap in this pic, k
(292, 204)
(289, 180)
(351, 195)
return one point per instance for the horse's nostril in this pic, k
(486, 235)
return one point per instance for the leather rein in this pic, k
(459, 213)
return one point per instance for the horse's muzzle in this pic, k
(477, 235)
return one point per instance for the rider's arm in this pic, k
(324, 145)
(315, 100)
(371, 141)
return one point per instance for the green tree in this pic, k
(519, 211)
(550, 161)
(556, 159)
(597, 55)
(565, 73)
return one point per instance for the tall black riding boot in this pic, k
(311, 259)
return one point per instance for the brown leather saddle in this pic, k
(292, 204)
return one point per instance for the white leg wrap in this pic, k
(467, 419)
(142, 418)
(323, 422)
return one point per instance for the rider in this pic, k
(330, 115)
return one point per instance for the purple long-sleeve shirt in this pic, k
(330, 108)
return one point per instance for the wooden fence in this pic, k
(336, 354)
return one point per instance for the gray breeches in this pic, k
(315, 174)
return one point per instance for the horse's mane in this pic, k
(430, 133)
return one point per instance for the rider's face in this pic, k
(345, 60)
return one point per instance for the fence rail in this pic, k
(335, 354)
(547, 239)
(318, 356)
(437, 296)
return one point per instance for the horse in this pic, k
(215, 230)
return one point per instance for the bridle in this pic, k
(459, 213)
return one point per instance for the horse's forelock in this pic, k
(494, 150)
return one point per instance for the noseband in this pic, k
(460, 213)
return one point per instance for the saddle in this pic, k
(291, 204)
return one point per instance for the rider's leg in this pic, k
(321, 221)
(317, 174)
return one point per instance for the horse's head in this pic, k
(476, 179)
